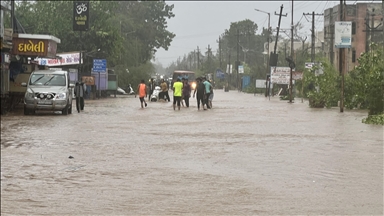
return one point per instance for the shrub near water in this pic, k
(322, 90)
(365, 85)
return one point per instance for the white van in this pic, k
(48, 90)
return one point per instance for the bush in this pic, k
(374, 119)
(365, 84)
(322, 90)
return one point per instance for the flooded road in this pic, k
(246, 156)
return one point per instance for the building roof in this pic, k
(39, 36)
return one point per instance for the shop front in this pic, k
(5, 47)
(25, 49)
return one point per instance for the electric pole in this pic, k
(292, 51)
(268, 52)
(274, 56)
(198, 58)
(190, 61)
(313, 34)
(219, 50)
(209, 60)
(229, 68)
(371, 28)
(237, 60)
(341, 60)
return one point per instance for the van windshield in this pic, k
(190, 76)
(47, 79)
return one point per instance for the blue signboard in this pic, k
(220, 74)
(100, 65)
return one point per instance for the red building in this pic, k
(367, 27)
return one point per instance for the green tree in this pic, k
(365, 84)
(322, 90)
(128, 33)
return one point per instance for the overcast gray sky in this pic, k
(200, 23)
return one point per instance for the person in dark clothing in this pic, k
(164, 91)
(151, 87)
(186, 92)
(15, 68)
(80, 91)
(200, 90)
(207, 94)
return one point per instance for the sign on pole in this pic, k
(261, 83)
(99, 65)
(280, 75)
(343, 34)
(309, 65)
(220, 74)
(80, 15)
(241, 69)
(61, 59)
(297, 75)
(229, 69)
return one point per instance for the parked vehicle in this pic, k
(130, 90)
(120, 91)
(189, 75)
(49, 90)
(155, 94)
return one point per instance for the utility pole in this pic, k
(292, 54)
(13, 24)
(274, 49)
(209, 59)
(237, 60)
(371, 29)
(229, 68)
(219, 50)
(341, 59)
(313, 34)
(303, 46)
(190, 61)
(302, 84)
(198, 58)
(268, 36)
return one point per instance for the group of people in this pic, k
(181, 92)
(204, 93)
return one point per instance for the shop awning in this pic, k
(35, 45)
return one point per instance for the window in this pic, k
(353, 28)
(353, 56)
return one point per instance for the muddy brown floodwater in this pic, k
(246, 156)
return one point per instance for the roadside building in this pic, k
(367, 27)
(18, 53)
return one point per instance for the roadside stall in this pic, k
(5, 47)
(25, 49)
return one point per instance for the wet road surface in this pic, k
(246, 156)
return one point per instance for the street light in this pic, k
(269, 28)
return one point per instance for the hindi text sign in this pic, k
(280, 75)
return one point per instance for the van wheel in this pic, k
(65, 110)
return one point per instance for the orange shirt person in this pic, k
(142, 90)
